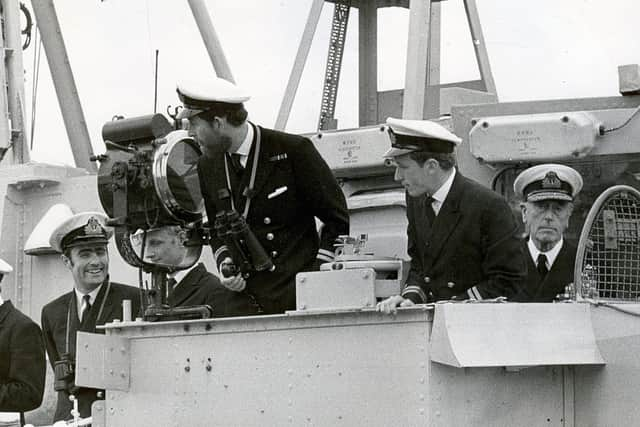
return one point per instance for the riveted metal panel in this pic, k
(332, 369)
(102, 361)
(607, 396)
(496, 397)
(364, 368)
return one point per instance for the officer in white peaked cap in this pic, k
(547, 192)
(209, 94)
(277, 181)
(81, 229)
(461, 236)
(419, 135)
(94, 300)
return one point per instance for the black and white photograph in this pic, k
(319, 213)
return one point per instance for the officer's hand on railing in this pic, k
(391, 304)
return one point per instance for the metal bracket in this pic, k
(103, 361)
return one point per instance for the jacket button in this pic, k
(270, 236)
(267, 220)
(450, 285)
(427, 279)
(274, 254)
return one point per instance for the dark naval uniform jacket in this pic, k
(60, 317)
(199, 287)
(22, 361)
(537, 289)
(470, 251)
(293, 184)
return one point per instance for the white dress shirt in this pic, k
(245, 147)
(441, 195)
(92, 299)
(551, 254)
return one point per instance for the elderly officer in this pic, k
(547, 192)
(22, 362)
(461, 236)
(278, 182)
(95, 300)
(191, 286)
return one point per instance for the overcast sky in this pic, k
(539, 49)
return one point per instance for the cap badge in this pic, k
(551, 181)
(93, 227)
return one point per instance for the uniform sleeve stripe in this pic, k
(476, 293)
(416, 290)
(470, 293)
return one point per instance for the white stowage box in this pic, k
(551, 136)
(331, 290)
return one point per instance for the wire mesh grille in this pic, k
(611, 264)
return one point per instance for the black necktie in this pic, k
(235, 162)
(542, 265)
(428, 207)
(86, 306)
(171, 283)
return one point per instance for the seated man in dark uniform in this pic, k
(547, 192)
(191, 286)
(22, 363)
(94, 300)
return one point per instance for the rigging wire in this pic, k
(34, 84)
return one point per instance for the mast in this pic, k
(65, 86)
(211, 40)
(13, 134)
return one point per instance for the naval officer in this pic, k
(277, 181)
(462, 237)
(547, 192)
(22, 361)
(94, 300)
(191, 286)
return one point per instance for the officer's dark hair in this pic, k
(235, 115)
(445, 160)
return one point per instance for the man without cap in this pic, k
(95, 300)
(22, 361)
(278, 182)
(547, 192)
(191, 286)
(461, 236)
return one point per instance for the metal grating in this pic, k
(611, 263)
(334, 63)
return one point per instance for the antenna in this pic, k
(155, 86)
